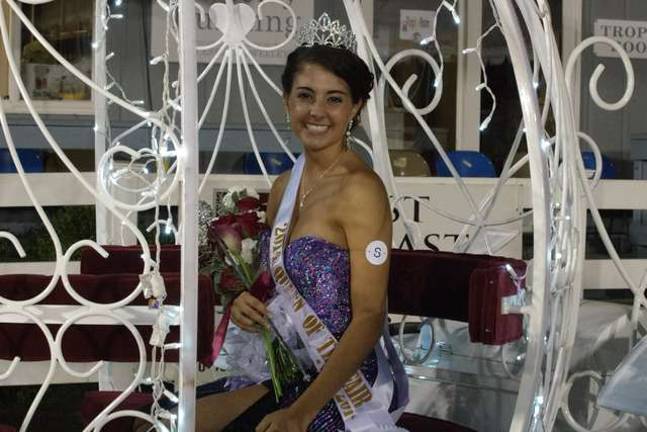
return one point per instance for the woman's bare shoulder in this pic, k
(364, 211)
(279, 183)
(364, 191)
(275, 195)
(364, 182)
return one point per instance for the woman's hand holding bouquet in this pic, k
(229, 251)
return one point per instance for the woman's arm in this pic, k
(366, 219)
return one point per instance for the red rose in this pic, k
(263, 287)
(247, 204)
(229, 234)
(227, 219)
(229, 283)
(249, 224)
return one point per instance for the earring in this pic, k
(287, 117)
(348, 133)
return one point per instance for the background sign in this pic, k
(272, 29)
(416, 25)
(437, 231)
(632, 35)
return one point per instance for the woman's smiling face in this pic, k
(320, 107)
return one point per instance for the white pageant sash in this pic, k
(362, 407)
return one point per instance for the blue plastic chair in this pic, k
(275, 163)
(32, 161)
(468, 163)
(609, 170)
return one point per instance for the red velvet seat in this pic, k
(127, 259)
(456, 286)
(85, 343)
(5, 428)
(437, 284)
(460, 287)
(419, 423)
(95, 401)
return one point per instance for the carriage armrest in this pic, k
(460, 287)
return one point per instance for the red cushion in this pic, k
(127, 259)
(419, 423)
(95, 401)
(440, 285)
(487, 325)
(85, 343)
(4, 428)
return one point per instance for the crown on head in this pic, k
(325, 31)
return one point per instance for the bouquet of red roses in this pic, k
(229, 243)
(229, 252)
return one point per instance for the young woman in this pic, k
(329, 255)
(337, 239)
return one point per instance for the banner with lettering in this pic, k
(271, 29)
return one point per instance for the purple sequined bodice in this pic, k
(321, 272)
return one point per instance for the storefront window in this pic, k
(497, 139)
(67, 26)
(408, 24)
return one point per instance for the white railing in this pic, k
(56, 189)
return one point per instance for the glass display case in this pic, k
(67, 25)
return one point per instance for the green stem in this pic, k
(269, 350)
(241, 267)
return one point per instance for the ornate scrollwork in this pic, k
(166, 151)
(597, 73)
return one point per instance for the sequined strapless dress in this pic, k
(321, 272)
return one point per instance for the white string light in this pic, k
(158, 152)
(484, 84)
(451, 7)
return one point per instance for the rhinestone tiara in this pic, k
(325, 31)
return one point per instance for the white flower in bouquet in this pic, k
(234, 194)
(247, 251)
(228, 202)
(251, 193)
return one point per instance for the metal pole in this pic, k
(189, 216)
(100, 114)
(468, 76)
(540, 203)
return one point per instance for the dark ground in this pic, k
(59, 411)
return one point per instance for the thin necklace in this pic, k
(305, 193)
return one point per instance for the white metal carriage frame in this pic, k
(561, 192)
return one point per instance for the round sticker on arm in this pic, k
(377, 252)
